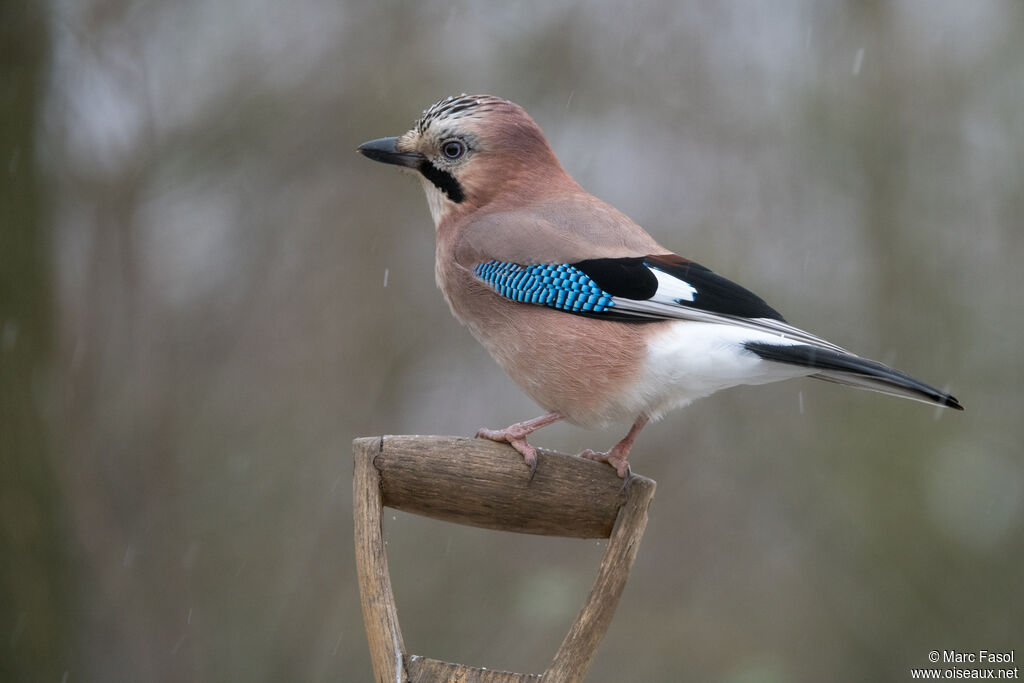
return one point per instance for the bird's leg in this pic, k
(617, 456)
(515, 435)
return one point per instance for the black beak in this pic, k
(385, 150)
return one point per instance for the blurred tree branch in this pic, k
(33, 564)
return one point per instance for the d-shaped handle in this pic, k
(485, 484)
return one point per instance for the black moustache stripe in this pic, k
(443, 180)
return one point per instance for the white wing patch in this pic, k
(672, 287)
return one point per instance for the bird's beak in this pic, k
(385, 150)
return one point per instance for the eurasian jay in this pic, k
(596, 321)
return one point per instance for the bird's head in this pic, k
(473, 151)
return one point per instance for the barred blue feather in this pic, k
(559, 286)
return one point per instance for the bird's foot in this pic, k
(618, 456)
(616, 459)
(514, 438)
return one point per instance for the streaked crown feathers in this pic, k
(452, 108)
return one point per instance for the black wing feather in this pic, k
(715, 293)
(853, 370)
(628, 278)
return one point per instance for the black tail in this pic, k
(853, 371)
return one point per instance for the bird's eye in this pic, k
(453, 149)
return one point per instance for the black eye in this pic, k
(453, 149)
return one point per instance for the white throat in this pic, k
(437, 201)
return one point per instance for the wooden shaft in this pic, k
(379, 613)
(580, 645)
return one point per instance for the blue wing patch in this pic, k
(559, 286)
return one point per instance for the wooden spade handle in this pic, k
(486, 484)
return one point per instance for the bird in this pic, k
(596, 321)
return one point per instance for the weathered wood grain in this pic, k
(427, 670)
(486, 484)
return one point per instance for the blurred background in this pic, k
(205, 295)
